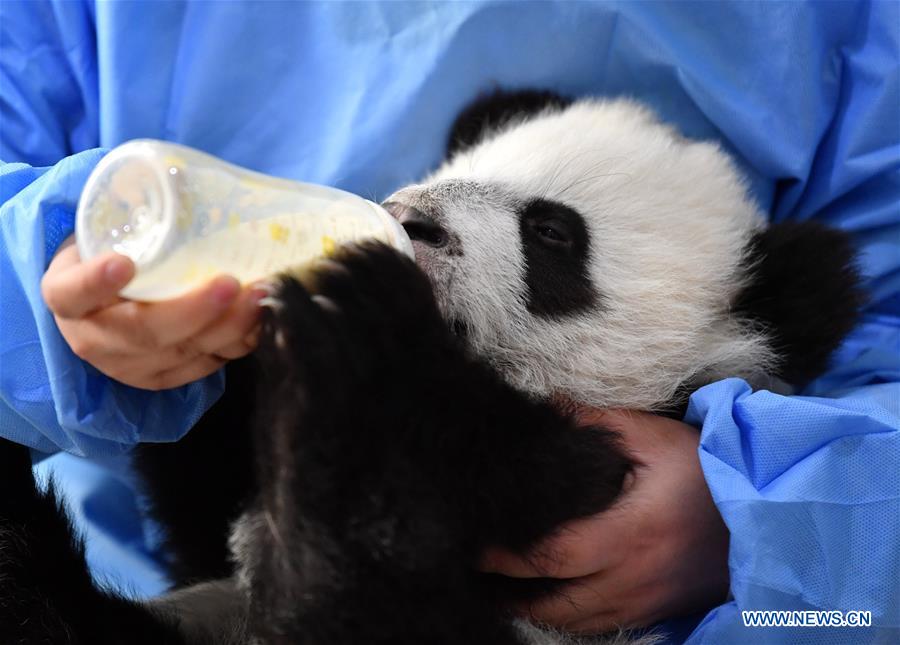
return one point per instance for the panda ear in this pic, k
(805, 291)
(490, 112)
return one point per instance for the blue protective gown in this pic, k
(805, 95)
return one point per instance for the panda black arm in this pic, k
(805, 291)
(370, 349)
(47, 594)
(388, 458)
(198, 486)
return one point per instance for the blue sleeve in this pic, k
(48, 80)
(49, 398)
(809, 485)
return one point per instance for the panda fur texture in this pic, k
(651, 286)
(396, 420)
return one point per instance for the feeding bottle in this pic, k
(184, 216)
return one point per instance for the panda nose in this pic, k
(418, 225)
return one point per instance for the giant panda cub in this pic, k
(407, 416)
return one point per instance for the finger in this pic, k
(235, 350)
(135, 326)
(577, 549)
(124, 364)
(228, 337)
(72, 288)
(187, 373)
(644, 434)
(567, 554)
(511, 564)
(154, 371)
(570, 605)
(94, 344)
(242, 347)
(642, 607)
(175, 320)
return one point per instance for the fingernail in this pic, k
(224, 290)
(257, 294)
(266, 285)
(117, 270)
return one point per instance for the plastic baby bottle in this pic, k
(184, 216)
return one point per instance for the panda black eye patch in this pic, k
(556, 247)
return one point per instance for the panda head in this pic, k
(590, 252)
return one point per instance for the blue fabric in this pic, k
(360, 96)
(119, 546)
(49, 399)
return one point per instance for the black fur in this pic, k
(47, 595)
(389, 458)
(494, 110)
(556, 246)
(198, 486)
(805, 291)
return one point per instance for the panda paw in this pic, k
(365, 313)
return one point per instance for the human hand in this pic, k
(156, 345)
(659, 552)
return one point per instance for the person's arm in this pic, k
(810, 490)
(660, 551)
(51, 399)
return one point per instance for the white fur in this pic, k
(545, 635)
(208, 612)
(669, 221)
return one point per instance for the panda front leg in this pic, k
(389, 458)
(47, 594)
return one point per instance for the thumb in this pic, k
(73, 289)
(578, 548)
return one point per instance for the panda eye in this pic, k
(551, 232)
